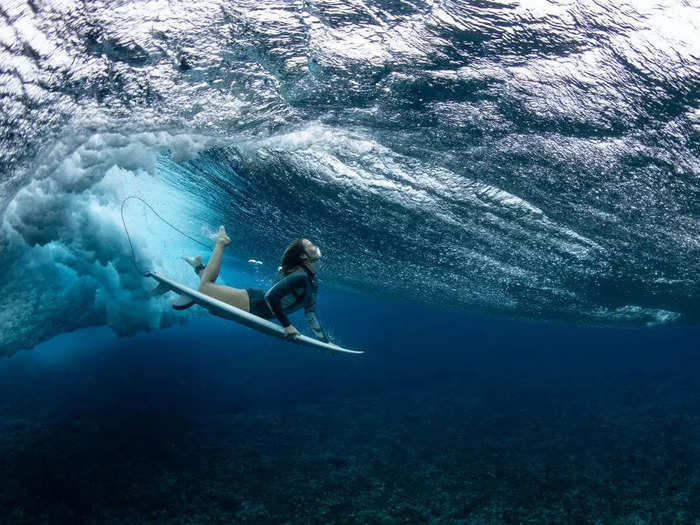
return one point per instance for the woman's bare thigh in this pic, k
(229, 295)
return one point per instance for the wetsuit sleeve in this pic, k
(277, 292)
(316, 327)
(310, 311)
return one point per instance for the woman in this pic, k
(295, 289)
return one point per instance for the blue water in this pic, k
(449, 418)
(506, 196)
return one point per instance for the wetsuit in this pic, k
(296, 290)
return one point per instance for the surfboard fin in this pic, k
(182, 302)
(159, 290)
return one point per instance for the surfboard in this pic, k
(188, 296)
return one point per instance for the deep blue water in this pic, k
(449, 418)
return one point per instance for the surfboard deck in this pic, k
(222, 309)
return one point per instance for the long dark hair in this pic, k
(291, 258)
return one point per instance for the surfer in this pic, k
(296, 288)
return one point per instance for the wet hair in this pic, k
(291, 258)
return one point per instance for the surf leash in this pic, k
(131, 245)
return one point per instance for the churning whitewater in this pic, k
(538, 159)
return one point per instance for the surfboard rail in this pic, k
(225, 310)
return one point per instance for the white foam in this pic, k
(635, 315)
(65, 258)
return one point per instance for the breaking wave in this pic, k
(533, 159)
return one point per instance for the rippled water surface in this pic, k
(538, 159)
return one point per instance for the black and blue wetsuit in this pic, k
(293, 291)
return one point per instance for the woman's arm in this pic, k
(277, 292)
(310, 311)
(316, 327)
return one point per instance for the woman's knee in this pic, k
(205, 287)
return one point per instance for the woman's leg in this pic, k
(207, 277)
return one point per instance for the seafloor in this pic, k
(477, 450)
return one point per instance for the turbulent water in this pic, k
(538, 159)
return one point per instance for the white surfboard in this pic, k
(189, 296)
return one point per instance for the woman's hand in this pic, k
(290, 331)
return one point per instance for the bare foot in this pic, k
(196, 263)
(220, 237)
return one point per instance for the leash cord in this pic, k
(131, 245)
